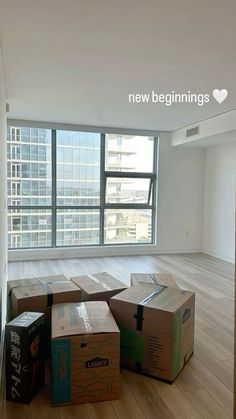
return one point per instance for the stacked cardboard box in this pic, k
(155, 318)
(99, 286)
(38, 294)
(24, 356)
(44, 282)
(85, 353)
(157, 329)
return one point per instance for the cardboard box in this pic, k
(98, 287)
(165, 279)
(85, 353)
(157, 329)
(26, 282)
(39, 296)
(24, 356)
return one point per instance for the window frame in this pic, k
(103, 206)
(150, 205)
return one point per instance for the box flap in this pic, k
(155, 296)
(15, 283)
(25, 282)
(61, 287)
(98, 282)
(36, 290)
(165, 279)
(53, 278)
(82, 318)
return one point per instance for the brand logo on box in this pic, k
(185, 315)
(96, 362)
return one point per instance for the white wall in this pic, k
(219, 202)
(180, 197)
(3, 171)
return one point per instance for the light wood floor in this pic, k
(203, 389)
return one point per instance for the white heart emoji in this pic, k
(220, 95)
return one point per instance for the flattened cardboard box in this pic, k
(24, 356)
(165, 279)
(98, 287)
(157, 329)
(85, 353)
(39, 296)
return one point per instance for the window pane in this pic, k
(77, 227)
(128, 226)
(129, 153)
(78, 168)
(29, 228)
(127, 190)
(29, 166)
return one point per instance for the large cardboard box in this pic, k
(157, 329)
(24, 356)
(39, 295)
(27, 282)
(99, 286)
(85, 353)
(165, 279)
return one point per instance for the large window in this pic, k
(68, 188)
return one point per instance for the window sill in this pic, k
(81, 252)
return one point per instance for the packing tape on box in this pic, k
(48, 290)
(139, 314)
(41, 282)
(153, 279)
(83, 315)
(49, 293)
(99, 281)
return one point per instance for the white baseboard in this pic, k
(219, 255)
(84, 252)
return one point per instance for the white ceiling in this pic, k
(76, 61)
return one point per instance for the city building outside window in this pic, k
(80, 188)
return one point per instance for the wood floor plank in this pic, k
(147, 398)
(17, 411)
(214, 347)
(102, 410)
(74, 411)
(214, 365)
(186, 381)
(221, 337)
(127, 406)
(211, 384)
(41, 407)
(176, 401)
(230, 364)
(206, 405)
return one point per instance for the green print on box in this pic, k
(131, 344)
(61, 370)
(176, 343)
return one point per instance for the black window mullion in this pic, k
(54, 189)
(102, 189)
(154, 190)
